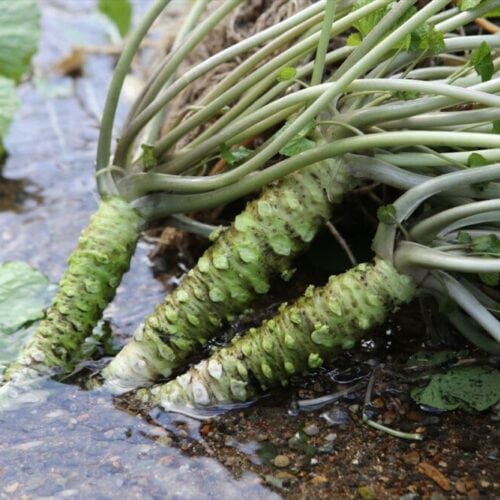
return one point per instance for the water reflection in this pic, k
(78, 445)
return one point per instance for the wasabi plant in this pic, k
(106, 246)
(447, 254)
(355, 91)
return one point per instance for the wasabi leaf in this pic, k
(386, 214)
(119, 12)
(9, 103)
(492, 13)
(296, 146)
(353, 39)
(424, 38)
(490, 279)
(19, 33)
(488, 245)
(482, 61)
(367, 23)
(469, 388)
(300, 142)
(233, 156)
(24, 294)
(148, 156)
(468, 4)
(427, 38)
(287, 73)
(476, 160)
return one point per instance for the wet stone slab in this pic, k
(77, 445)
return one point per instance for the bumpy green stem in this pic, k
(95, 269)
(261, 244)
(301, 337)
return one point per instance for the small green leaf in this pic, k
(24, 294)
(406, 95)
(386, 214)
(470, 388)
(300, 142)
(19, 33)
(241, 153)
(226, 154)
(464, 238)
(119, 12)
(427, 38)
(423, 38)
(482, 62)
(234, 156)
(9, 102)
(492, 13)
(353, 39)
(496, 127)
(287, 73)
(367, 23)
(476, 160)
(490, 279)
(148, 156)
(367, 493)
(487, 245)
(296, 146)
(468, 4)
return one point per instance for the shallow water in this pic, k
(76, 444)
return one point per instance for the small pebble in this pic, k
(473, 495)
(276, 481)
(354, 408)
(326, 448)
(412, 458)
(317, 387)
(336, 417)
(460, 486)
(311, 429)
(319, 480)
(431, 420)
(436, 495)
(389, 417)
(281, 461)
(331, 437)
(414, 416)
(366, 493)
